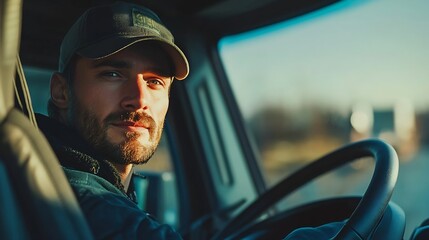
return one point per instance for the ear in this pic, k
(59, 91)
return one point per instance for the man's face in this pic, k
(119, 103)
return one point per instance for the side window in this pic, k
(38, 83)
(155, 177)
(350, 71)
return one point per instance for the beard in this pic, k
(130, 150)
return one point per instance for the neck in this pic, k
(125, 172)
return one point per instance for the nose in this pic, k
(136, 95)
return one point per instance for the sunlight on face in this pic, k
(119, 103)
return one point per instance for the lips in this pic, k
(131, 124)
(131, 121)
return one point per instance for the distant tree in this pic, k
(271, 124)
(275, 123)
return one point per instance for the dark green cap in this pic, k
(104, 30)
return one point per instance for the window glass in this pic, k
(350, 71)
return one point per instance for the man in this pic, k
(106, 113)
(107, 108)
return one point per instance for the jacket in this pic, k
(111, 212)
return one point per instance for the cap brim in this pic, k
(113, 45)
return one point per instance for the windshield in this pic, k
(354, 70)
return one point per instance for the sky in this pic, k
(368, 51)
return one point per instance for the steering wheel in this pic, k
(369, 208)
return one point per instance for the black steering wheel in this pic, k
(369, 208)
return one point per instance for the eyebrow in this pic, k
(111, 63)
(127, 65)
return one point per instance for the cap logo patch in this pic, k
(140, 20)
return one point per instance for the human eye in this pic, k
(111, 75)
(156, 83)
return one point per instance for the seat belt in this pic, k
(22, 94)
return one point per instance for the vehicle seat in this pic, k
(36, 200)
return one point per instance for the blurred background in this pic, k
(354, 70)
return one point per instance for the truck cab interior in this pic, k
(254, 146)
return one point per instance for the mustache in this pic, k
(137, 117)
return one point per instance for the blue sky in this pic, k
(373, 52)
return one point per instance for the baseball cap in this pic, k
(105, 30)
